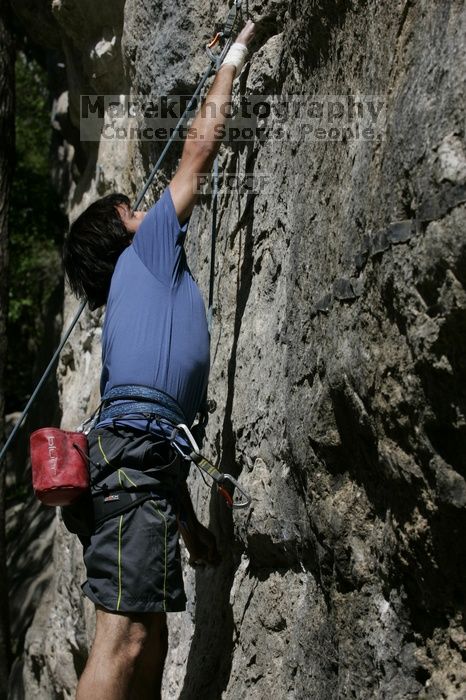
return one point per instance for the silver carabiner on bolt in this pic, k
(245, 501)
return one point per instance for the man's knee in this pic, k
(134, 642)
(124, 636)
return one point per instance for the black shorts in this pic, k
(133, 560)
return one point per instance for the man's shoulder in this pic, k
(130, 264)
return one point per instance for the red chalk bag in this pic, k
(60, 472)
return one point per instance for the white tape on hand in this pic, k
(236, 56)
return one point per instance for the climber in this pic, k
(155, 355)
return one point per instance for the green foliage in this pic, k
(32, 116)
(36, 227)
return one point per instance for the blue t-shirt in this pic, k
(155, 331)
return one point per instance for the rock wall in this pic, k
(337, 361)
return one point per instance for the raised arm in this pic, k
(204, 140)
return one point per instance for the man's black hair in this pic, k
(93, 245)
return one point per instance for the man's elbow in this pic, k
(200, 154)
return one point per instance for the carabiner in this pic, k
(246, 500)
(188, 433)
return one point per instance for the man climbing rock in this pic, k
(155, 353)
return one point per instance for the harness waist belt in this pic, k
(140, 399)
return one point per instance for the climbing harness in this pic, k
(139, 400)
(214, 64)
(107, 503)
(153, 404)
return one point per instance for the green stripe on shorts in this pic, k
(165, 556)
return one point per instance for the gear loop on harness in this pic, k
(150, 402)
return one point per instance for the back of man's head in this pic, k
(93, 245)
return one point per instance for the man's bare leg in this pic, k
(126, 659)
(149, 668)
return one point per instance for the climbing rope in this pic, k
(41, 383)
(213, 243)
(224, 35)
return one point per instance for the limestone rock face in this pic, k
(337, 353)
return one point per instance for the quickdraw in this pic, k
(243, 500)
(226, 32)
